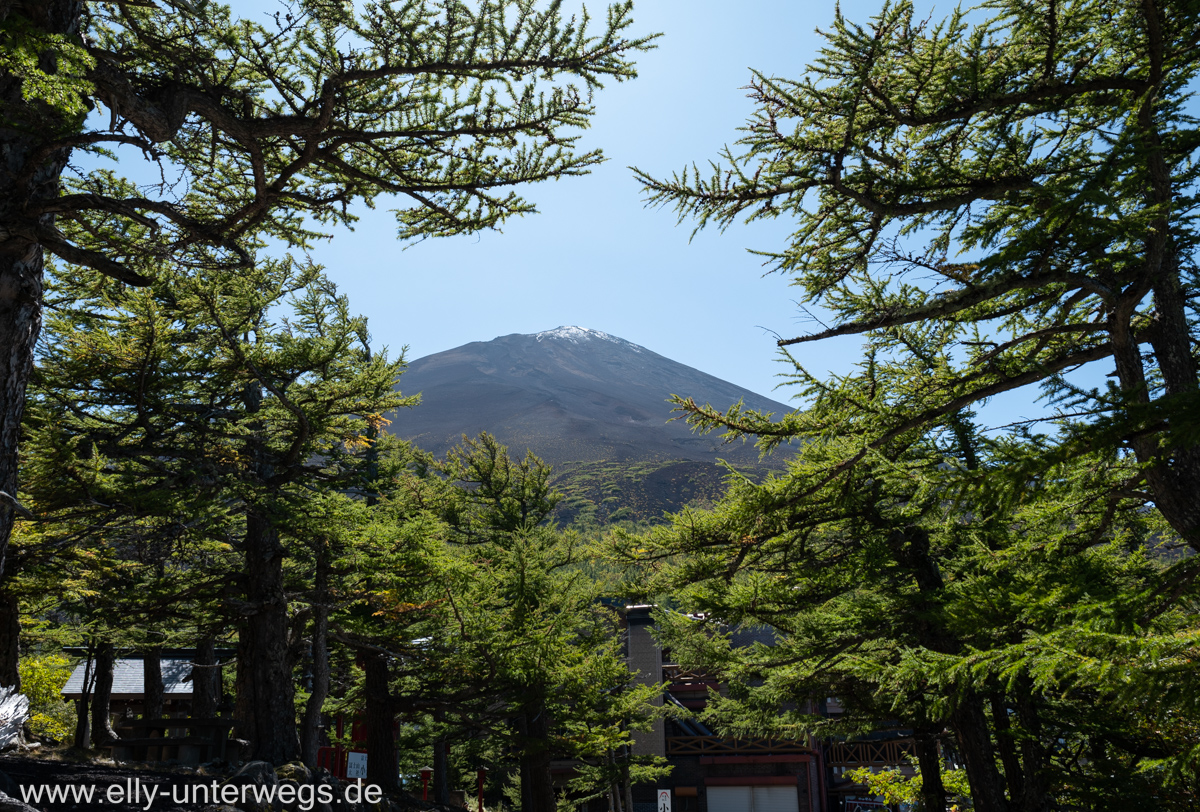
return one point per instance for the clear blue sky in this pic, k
(594, 256)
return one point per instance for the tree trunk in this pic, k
(83, 730)
(266, 698)
(1036, 798)
(933, 793)
(537, 789)
(153, 692)
(102, 730)
(625, 780)
(614, 792)
(206, 681)
(974, 742)
(910, 547)
(441, 771)
(10, 636)
(24, 188)
(83, 727)
(1013, 776)
(310, 730)
(377, 702)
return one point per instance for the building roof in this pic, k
(744, 636)
(127, 678)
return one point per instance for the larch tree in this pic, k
(223, 132)
(1001, 201)
(532, 632)
(1026, 645)
(212, 411)
(1020, 192)
(505, 652)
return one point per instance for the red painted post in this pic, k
(480, 774)
(425, 772)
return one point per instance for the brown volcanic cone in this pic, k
(571, 395)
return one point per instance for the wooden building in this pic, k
(128, 688)
(714, 773)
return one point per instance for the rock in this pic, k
(333, 791)
(295, 788)
(237, 750)
(258, 772)
(294, 771)
(8, 786)
(260, 777)
(14, 711)
(314, 792)
(10, 804)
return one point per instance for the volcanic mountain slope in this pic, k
(570, 395)
(588, 403)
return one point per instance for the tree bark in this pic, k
(614, 792)
(206, 681)
(381, 745)
(23, 189)
(1175, 478)
(102, 730)
(933, 793)
(537, 788)
(83, 730)
(1013, 776)
(83, 726)
(10, 637)
(624, 780)
(311, 727)
(153, 692)
(1036, 797)
(266, 698)
(975, 744)
(910, 547)
(310, 731)
(441, 771)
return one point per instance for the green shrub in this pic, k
(42, 679)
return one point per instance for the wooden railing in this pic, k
(715, 745)
(151, 740)
(860, 754)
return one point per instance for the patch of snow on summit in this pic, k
(578, 334)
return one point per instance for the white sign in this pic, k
(356, 765)
(856, 804)
(664, 800)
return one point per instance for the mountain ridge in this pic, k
(570, 394)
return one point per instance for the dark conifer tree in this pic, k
(999, 201)
(274, 131)
(204, 414)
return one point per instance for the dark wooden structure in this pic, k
(188, 741)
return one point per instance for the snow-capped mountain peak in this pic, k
(578, 334)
